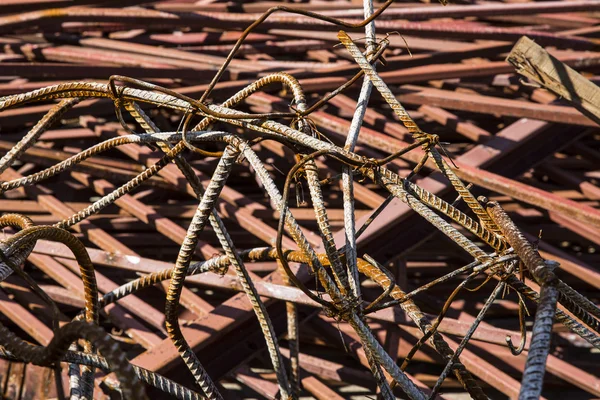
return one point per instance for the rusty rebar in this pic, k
(338, 270)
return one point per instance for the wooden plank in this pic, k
(534, 62)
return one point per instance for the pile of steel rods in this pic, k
(317, 276)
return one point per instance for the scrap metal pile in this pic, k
(328, 199)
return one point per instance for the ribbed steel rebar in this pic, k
(182, 264)
(412, 127)
(366, 336)
(561, 316)
(93, 360)
(499, 287)
(66, 164)
(539, 268)
(31, 137)
(291, 224)
(535, 367)
(26, 239)
(424, 324)
(399, 191)
(229, 248)
(340, 282)
(51, 354)
(18, 258)
(121, 191)
(312, 177)
(34, 233)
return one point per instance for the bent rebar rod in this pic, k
(227, 244)
(31, 137)
(412, 127)
(366, 336)
(47, 356)
(182, 264)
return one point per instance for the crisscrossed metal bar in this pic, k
(338, 270)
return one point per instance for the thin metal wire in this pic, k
(499, 288)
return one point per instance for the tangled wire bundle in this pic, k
(507, 256)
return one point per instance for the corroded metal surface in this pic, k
(235, 186)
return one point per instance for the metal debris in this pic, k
(165, 125)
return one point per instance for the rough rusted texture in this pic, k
(535, 368)
(190, 160)
(532, 259)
